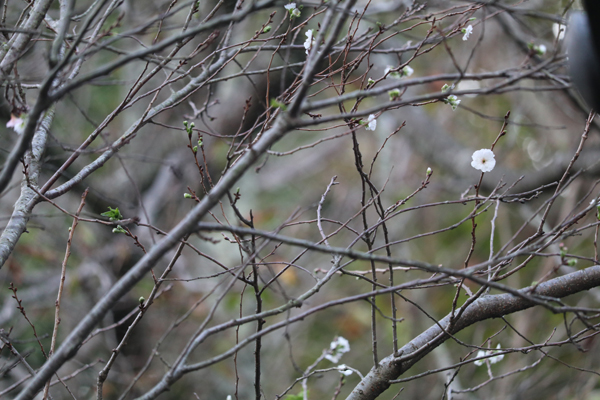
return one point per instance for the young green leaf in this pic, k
(113, 214)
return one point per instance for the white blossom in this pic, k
(447, 87)
(405, 71)
(344, 370)
(467, 32)
(492, 360)
(310, 41)
(453, 101)
(393, 74)
(17, 123)
(483, 160)
(371, 123)
(294, 11)
(479, 363)
(337, 348)
(334, 358)
(340, 344)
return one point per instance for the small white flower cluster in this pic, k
(371, 123)
(344, 369)
(310, 40)
(447, 87)
(337, 348)
(293, 10)
(405, 71)
(467, 32)
(452, 99)
(17, 123)
(492, 360)
(483, 160)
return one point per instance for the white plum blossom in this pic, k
(337, 348)
(492, 360)
(405, 71)
(447, 87)
(310, 41)
(340, 344)
(467, 32)
(483, 160)
(291, 7)
(453, 101)
(17, 123)
(344, 370)
(334, 358)
(371, 123)
(393, 74)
